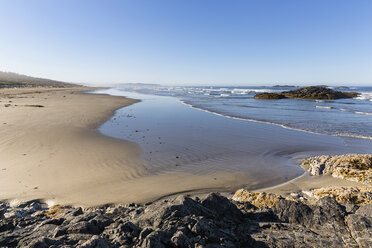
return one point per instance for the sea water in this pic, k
(342, 117)
(181, 132)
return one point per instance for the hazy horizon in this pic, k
(222, 43)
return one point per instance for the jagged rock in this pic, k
(130, 229)
(95, 242)
(312, 92)
(154, 240)
(179, 239)
(365, 210)
(221, 206)
(352, 195)
(258, 199)
(59, 231)
(360, 225)
(350, 207)
(293, 212)
(4, 226)
(353, 167)
(83, 227)
(146, 231)
(39, 243)
(212, 221)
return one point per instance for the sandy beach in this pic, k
(55, 153)
(51, 150)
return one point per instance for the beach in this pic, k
(51, 150)
(55, 153)
(69, 178)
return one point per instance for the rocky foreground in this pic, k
(209, 221)
(323, 217)
(312, 92)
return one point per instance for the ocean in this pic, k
(342, 117)
(214, 130)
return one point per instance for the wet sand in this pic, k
(306, 182)
(55, 152)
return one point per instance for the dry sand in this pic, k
(56, 154)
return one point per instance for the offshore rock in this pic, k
(312, 92)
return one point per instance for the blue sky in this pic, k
(208, 42)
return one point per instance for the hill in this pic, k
(15, 80)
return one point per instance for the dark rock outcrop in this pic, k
(312, 92)
(210, 221)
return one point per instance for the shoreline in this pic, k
(113, 175)
(275, 124)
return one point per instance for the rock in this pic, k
(312, 92)
(57, 222)
(205, 228)
(270, 96)
(96, 242)
(360, 225)
(293, 212)
(221, 206)
(59, 231)
(40, 243)
(4, 226)
(33, 207)
(83, 227)
(130, 229)
(353, 167)
(15, 213)
(258, 199)
(146, 231)
(154, 240)
(55, 211)
(365, 210)
(179, 239)
(352, 195)
(155, 214)
(101, 222)
(329, 214)
(212, 221)
(350, 207)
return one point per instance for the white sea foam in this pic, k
(365, 96)
(277, 124)
(324, 107)
(362, 113)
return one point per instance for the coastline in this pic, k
(51, 150)
(61, 157)
(87, 183)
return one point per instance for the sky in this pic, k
(189, 42)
